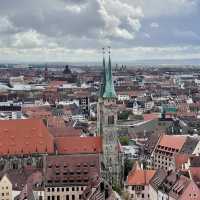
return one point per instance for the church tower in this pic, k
(112, 158)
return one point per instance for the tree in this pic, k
(124, 140)
(128, 165)
(116, 188)
(123, 115)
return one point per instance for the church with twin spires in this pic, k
(107, 109)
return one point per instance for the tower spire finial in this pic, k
(109, 50)
(103, 51)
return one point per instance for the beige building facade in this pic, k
(5, 188)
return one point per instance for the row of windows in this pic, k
(163, 157)
(72, 173)
(5, 194)
(65, 189)
(138, 187)
(68, 181)
(138, 196)
(162, 161)
(160, 166)
(79, 165)
(164, 153)
(167, 148)
(5, 188)
(67, 197)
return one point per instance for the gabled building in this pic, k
(169, 146)
(67, 176)
(5, 188)
(164, 152)
(172, 186)
(156, 182)
(137, 183)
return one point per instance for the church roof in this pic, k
(28, 136)
(78, 145)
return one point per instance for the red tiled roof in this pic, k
(72, 169)
(140, 177)
(195, 175)
(181, 159)
(191, 192)
(24, 137)
(58, 128)
(71, 145)
(172, 141)
(68, 131)
(151, 116)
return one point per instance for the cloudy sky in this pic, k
(76, 30)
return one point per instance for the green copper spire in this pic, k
(102, 89)
(109, 90)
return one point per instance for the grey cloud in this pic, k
(55, 18)
(64, 25)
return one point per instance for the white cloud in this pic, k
(135, 24)
(5, 24)
(115, 13)
(84, 55)
(31, 39)
(28, 39)
(73, 29)
(154, 25)
(148, 53)
(74, 8)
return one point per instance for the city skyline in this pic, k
(99, 99)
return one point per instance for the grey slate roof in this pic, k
(189, 146)
(158, 178)
(195, 161)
